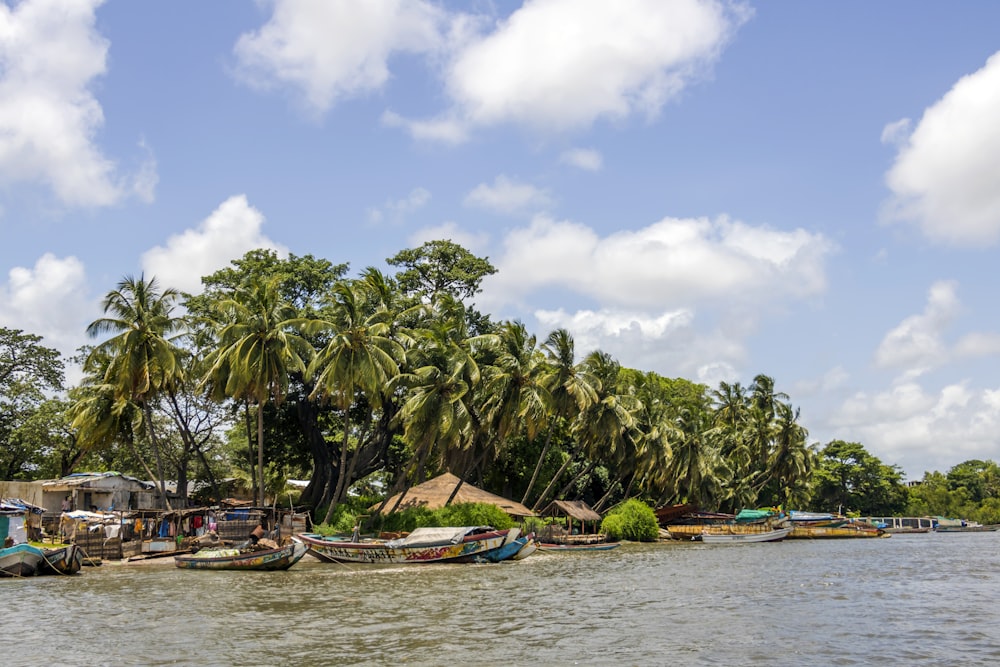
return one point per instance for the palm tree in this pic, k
(259, 347)
(142, 360)
(358, 357)
(570, 390)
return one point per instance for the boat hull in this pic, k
(281, 558)
(65, 560)
(564, 548)
(775, 535)
(380, 552)
(20, 560)
(835, 532)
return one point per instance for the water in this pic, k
(915, 599)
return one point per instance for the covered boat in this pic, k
(423, 545)
(280, 558)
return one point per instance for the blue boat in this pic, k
(509, 549)
(20, 560)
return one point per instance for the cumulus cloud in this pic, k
(50, 300)
(566, 63)
(326, 51)
(50, 55)
(916, 344)
(232, 230)
(509, 196)
(671, 263)
(946, 177)
(397, 210)
(920, 430)
(583, 158)
(551, 64)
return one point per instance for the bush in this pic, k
(632, 520)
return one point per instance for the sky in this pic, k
(704, 189)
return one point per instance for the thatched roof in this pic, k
(434, 493)
(575, 509)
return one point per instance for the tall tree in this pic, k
(259, 347)
(143, 361)
(440, 267)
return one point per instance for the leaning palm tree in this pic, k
(142, 360)
(259, 347)
(569, 386)
(359, 356)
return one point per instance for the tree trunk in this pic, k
(147, 415)
(576, 478)
(260, 450)
(342, 471)
(552, 483)
(538, 466)
(250, 456)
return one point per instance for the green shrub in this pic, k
(632, 520)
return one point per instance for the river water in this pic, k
(914, 599)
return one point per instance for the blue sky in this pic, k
(709, 190)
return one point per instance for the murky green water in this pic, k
(915, 599)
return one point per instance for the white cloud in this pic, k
(946, 178)
(669, 264)
(449, 130)
(916, 343)
(397, 210)
(562, 64)
(50, 55)
(833, 379)
(922, 431)
(897, 132)
(232, 230)
(583, 158)
(330, 50)
(508, 196)
(49, 300)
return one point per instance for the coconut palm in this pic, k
(570, 391)
(360, 356)
(142, 360)
(259, 347)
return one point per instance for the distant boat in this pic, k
(511, 549)
(775, 535)
(570, 547)
(281, 558)
(944, 525)
(20, 560)
(849, 530)
(423, 545)
(64, 560)
(901, 524)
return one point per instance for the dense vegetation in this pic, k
(290, 369)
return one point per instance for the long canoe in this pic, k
(423, 545)
(775, 535)
(573, 548)
(281, 558)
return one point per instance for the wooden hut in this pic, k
(434, 494)
(582, 524)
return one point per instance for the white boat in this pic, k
(775, 535)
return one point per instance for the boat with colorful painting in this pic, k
(423, 545)
(280, 558)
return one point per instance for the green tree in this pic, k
(849, 478)
(142, 360)
(259, 347)
(440, 267)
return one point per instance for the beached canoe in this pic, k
(281, 558)
(573, 548)
(423, 545)
(64, 560)
(20, 560)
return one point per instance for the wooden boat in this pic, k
(847, 530)
(20, 560)
(565, 547)
(64, 560)
(774, 535)
(970, 527)
(281, 558)
(512, 546)
(530, 547)
(423, 545)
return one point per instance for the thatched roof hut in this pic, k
(572, 511)
(434, 493)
